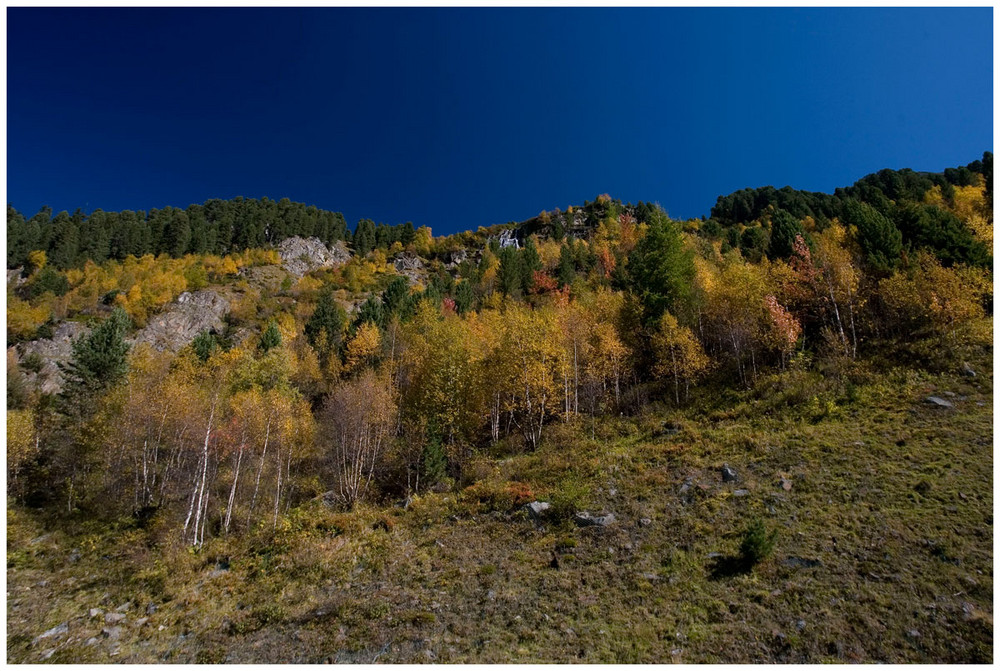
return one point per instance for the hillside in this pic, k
(244, 433)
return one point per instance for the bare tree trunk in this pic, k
(277, 490)
(232, 492)
(854, 334)
(204, 472)
(260, 469)
(576, 380)
(836, 313)
(673, 364)
(194, 495)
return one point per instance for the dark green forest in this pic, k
(896, 199)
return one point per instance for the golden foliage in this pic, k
(22, 443)
(364, 346)
(932, 296)
(678, 354)
(23, 319)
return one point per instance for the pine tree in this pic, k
(433, 460)
(464, 297)
(511, 271)
(99, 360)
(881, 241)
(270, 338)
(364, 237)
(204, 345)
(661, 268)
(395, 295)
(326, 326)
(567, 270)
(784, 228)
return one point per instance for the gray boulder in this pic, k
(729, 474)
(536, 508)
(967, 370)
(58, 630)
(586, 519)
(114, 618)
(940, 402)
(302, 255)
(191, 314)
(114, 633)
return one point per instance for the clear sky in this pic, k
(457, 118)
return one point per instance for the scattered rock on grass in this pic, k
(95, 612)
(967, 370)
(57, 630)
(586, 519)
(801, 562)
(114, 618)
(113, 633)
(785, 484)
(940, 402)
(741, 492)
(645, 521)
(536, 508)
(729, 474)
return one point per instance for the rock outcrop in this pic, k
(454, 259)
(193, 313)
(50, 352)
(409, 266)
(301, 255)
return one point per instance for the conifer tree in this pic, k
(270, 338)
(326, 326)
(99, 360)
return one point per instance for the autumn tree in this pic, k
(678, 354)
(357, 420)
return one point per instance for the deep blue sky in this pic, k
(457, 118)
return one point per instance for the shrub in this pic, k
(32, 362)
(491, 496)
(758, 543)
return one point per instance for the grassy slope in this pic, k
(892, 496)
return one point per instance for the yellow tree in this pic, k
(734, 315)
(423, 241)
(495, 377)
(838, 280)
(530, 346)
(439, 375)
(363, 347)
(929, 296)
(678, 354)
(22, 444)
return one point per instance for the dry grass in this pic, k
(883, 553)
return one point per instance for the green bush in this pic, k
(758, 543)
